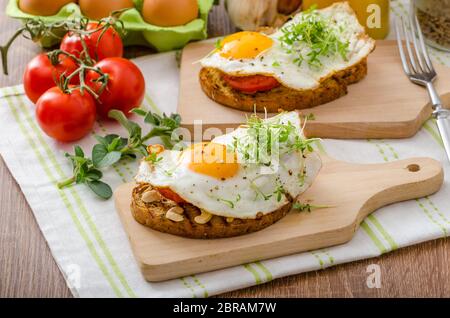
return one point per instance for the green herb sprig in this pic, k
(279, 192)
(84, 172)
(112, 149)
(230, 203)
(312, 38)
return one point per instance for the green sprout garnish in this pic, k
(227, 202)
(310, 117)
(305, 207)
(230, 203)
(267, 140)
(317, 34)
(279, 192)
(218, 44)
(258, 191)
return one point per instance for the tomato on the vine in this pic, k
(100, 44)
(125, 87)
(42, 73)
(66, 116)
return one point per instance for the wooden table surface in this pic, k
(27, 269)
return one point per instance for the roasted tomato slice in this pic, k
(169, 194)
(252, 84)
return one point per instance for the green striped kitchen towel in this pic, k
(87, 239)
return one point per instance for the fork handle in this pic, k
(435, 98)
(444, 129)
(442, 117)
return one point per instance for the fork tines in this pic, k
(416, 63)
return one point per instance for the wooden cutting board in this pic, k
(384, 105)
(351, 191)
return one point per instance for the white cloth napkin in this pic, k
(91, 248)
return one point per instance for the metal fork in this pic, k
(419, 69)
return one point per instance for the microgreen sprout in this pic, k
(310, 117)
(258, 191)
(311, 38)
(218, 44)
(266, 140)
(306, 207)
(276, 64)
(227, 202)
(279, 192)
(230, 203)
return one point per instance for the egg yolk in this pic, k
(244, 45)
(213, 160)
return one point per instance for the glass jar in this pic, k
(373, 14)
(434, 18)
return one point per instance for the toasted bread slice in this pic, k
(153, 215)
(282, 97)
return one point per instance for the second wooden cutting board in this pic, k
(384, 105)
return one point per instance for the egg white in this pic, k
(249, 193)
(279, 64)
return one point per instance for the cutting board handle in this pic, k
(397, 181)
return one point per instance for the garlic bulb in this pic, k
(250, 15)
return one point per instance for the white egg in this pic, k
(276, 61)
(251, 190)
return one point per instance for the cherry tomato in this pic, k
(41, 75)
(125, 89)
(110, 44)
(251, 84)
(64, 116)
(169, 194)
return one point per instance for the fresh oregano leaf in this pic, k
(99, 152)
(94, 174)
(79, 152)
(139, 111)
(110, 159)
(114, 144)
(101, 158)
(113, 148)
(101, 189)
(133, 128)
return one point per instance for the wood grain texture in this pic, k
(27, 268)
(350, 191)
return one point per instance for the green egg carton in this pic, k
(138, 32)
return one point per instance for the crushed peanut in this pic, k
(230, 220)
(151, 196)
(177, 209)
(203, 218)
(175, 217)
